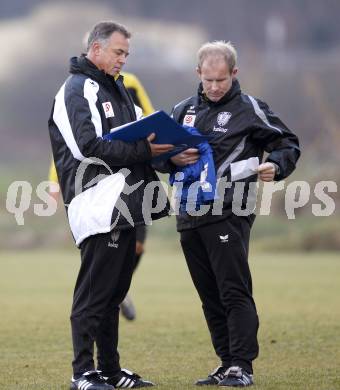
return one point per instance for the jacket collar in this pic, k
(233, 91)
(83, 65)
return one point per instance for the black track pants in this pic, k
(217, 257)
(107, 264)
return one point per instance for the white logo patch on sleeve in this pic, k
(189, 120)
(107, 106)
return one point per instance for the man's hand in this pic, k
(139, 248)
(189, 156)
(266, 171)
(157, 149)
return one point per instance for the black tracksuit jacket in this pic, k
(240, 127)
(87, 106)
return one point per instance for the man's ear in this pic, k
(96, 46)
(234, 72)
(198, 70)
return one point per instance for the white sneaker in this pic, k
(128, 309)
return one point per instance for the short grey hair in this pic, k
(218, 48)
(102, 31)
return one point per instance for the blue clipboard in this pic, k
(166, 129)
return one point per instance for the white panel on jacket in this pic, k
(62, 121)
(139, 112)
(90, 212)
(91, 89)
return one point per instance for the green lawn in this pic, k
(298, 298)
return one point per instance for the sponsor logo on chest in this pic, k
(189, 120)
(108, 110)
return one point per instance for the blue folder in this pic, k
(166, 129)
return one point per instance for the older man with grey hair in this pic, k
(91, 102)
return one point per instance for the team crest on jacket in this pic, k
(223, 118)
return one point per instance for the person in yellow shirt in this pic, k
(141, 99)
(138, 93)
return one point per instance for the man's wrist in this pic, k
(277, 169)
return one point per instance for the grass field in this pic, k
(298, 298)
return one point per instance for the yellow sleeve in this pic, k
(52, 176)
(132, 82)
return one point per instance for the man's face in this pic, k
(111, 56)
(216, 77)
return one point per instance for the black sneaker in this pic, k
(127, 379)
(236, 377)
(214, 378)
(91, 380)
